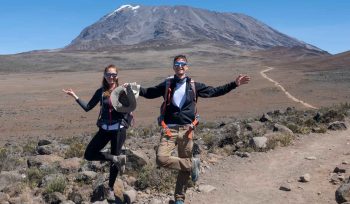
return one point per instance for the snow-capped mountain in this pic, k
(148, 25)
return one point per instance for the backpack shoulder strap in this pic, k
(167, 92)
(193, 86)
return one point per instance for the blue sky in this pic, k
(48, 24)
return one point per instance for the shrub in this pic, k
(159, 179)
(34, 176)
(10, 158)
(304, 130)
(29, 148)
(282, 140)
(58, 184)
(3, 157)
(210, 125)
(310, 122)
(75, 150)
(331, 115)
(209, 139)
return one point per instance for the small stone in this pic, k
(340, 169)
(285, 187)
(310, 158)
(130, 196)
(242, 154)
(155, 201)
(206, 188)
(305, 178)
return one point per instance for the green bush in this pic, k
(282, 140)
(159, 179)
(3, 157)
(29, 148)
(56, 185)
(210, 125)
(75, 150)
(10, 158)
(34, 176)
(310, 122)
(331, 115)
(209, 139)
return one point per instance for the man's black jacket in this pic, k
(185, 115)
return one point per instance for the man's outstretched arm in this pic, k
(205, 91)
(153, 92)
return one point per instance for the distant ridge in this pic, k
(166, 25)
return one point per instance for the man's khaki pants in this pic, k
(183, 162)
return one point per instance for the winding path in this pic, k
(256, 180)
(290, 96)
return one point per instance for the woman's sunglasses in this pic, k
(114, 75)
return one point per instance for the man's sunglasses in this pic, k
(114, 75)
(180, 64)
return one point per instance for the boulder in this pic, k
(70, 165)
(4, 197)
(76, 197)
(43, 142)
(130, 196)
(54, 198)
(9, 177)
(136, 159)
(254, 126)
(337, 126)
(259, 142)
(43, 160)
(86, 177)
(282, 129)
(100, 191)
(343, 193)
(265, 118)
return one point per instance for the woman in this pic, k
(112, 126)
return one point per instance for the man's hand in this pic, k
(242, 79)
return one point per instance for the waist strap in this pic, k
(189, 131)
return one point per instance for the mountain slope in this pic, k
(154, 25)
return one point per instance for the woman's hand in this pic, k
(125, 85)
(242, 79)
(71, 93)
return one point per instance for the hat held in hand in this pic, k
(124, 99)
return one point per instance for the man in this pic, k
(178, 119)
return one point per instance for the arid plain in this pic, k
(33, 105)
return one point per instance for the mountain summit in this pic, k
(154, 25)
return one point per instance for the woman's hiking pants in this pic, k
(99, 141)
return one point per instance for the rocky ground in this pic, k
(241, 162)
(43, 132)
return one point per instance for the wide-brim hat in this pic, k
(124, 98)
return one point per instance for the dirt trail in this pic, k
(257, 179)
(284, 90)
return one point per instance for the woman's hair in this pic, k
(105, 84)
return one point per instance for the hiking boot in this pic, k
(196, 151)
(120, 162)
(195, 169)
(110, 196)
(179, 202)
